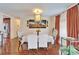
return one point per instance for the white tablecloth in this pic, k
(44, 39)
(24, 39)
(32, 40)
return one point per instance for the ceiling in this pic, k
(26, 9)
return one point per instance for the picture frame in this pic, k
(34, 24)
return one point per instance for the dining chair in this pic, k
(20, 35)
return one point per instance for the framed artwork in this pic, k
(33, 24)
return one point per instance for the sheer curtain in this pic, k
(63, 26)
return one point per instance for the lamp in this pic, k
(37, 12)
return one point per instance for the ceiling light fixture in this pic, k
(37, 13)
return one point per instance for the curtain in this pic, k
(57, 27)
(72, 22)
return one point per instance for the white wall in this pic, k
(26, 30)
(14, 28)
(1, 22)
(51, 24)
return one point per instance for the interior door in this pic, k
(6, 22)
(7, 48)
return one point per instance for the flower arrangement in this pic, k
(38, 32)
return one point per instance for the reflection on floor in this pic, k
(11, 48)
(50, 51)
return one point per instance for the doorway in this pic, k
(7, 32)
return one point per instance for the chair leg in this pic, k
(19, 45)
